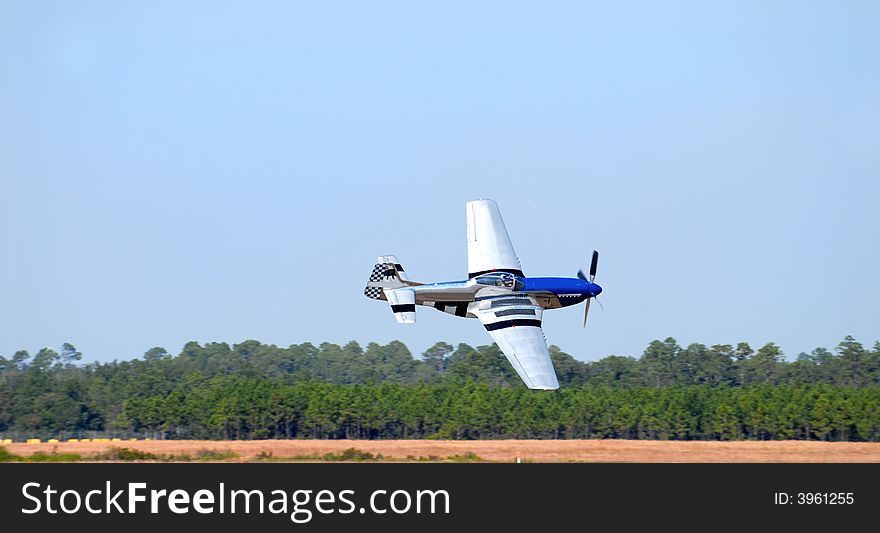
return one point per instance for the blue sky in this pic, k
(176, 171)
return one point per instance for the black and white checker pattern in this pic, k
(373, 292)
(378, 275)
(378, 272)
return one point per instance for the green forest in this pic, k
(258, 391)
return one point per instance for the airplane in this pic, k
(508, 304)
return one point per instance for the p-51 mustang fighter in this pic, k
(509, 304)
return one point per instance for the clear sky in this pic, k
(219, 171)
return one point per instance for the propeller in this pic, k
(593, 264)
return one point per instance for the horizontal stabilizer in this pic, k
(403, 304)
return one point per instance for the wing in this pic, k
(516, 328)
(489, 246)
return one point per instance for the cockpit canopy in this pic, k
(504, 280)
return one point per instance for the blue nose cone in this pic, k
(595, 289)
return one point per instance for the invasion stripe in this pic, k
(508, 312)
(404, 308)
(512, 323)
(508, 270)
(511, 301)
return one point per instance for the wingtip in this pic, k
(481, 200)
(547, 384)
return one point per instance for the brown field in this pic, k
(505, 450)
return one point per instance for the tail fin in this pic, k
(387, 274)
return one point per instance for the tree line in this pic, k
(255, 390)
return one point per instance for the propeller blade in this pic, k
(581, 275)
(602, 307)
(586, 311)
(593, 264)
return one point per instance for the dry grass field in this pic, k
(502, 450)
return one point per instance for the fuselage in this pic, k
(549, 293)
